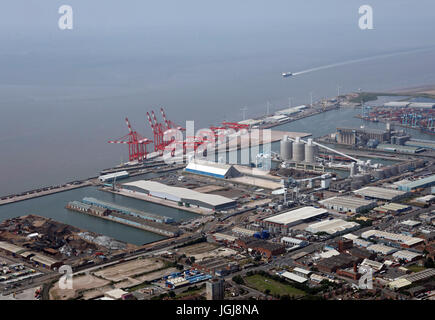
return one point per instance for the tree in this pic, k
(267, 291)
(238, 279)
(429, 263)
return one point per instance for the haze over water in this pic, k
(63, 94)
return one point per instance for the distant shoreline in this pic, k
(424, 90)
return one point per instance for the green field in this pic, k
(261, 283)
(416, 268)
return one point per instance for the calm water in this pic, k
(53, 206)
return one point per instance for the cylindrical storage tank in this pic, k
(286, 148)
(310, 151)
(298, 151)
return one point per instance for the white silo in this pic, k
(353, 169)
(310, 151)
(298, 150)
(286, 148)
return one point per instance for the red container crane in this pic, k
(137, 145)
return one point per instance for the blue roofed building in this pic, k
(421, 183)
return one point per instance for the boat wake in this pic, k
(381, 56)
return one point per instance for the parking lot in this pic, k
(13, 274)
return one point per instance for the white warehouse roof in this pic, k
(294, 277)
(391, 236)
(382, 249)
(218, 170)
(111, 176)
(379, 193)
(303, 271)
(331, 226)
(293, 216)
(406, 255)
(347, 202)
(350, 236)
(161, 190)
(411, 223)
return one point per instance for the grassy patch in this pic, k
(190, 292)
(416, 268)
(261, 283)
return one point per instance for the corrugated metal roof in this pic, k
(43, 259)
(296, 215)
(331, 226)
(210, 167)
(182, 193)
(113, 175)
(405, 254)
(391, 207)
(399, 283)
(294, 277)
(418, 183)
(300, 270)
(10, 247)
(379, 193)
(391, 236)
(349, 202)
(380, 248)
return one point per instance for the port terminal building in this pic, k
(180, 195)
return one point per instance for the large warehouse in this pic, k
(332, 227)
(212, 169)
(421, 183)
(177, 194)
(282, 222)
(403, 240)
(348, 204)
(380, 193)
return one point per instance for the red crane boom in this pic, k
(137, 145)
